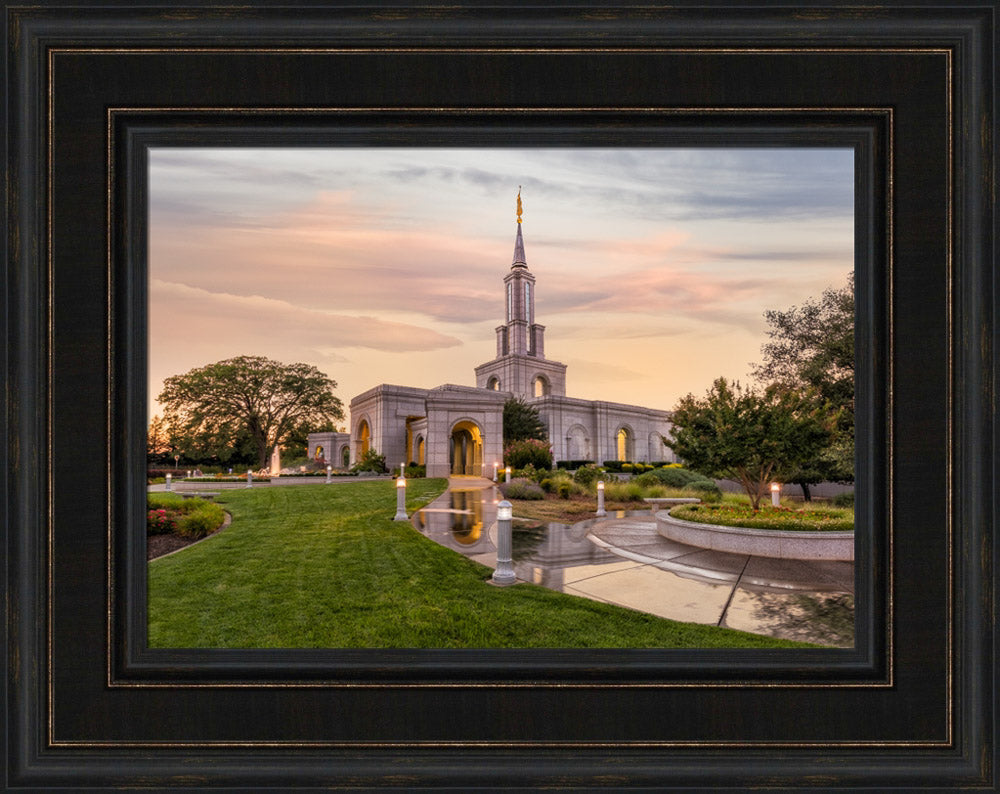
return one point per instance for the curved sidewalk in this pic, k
(802, 600)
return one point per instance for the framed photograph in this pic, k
(122, 120)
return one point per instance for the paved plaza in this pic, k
(623, 560)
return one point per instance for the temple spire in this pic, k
(519, 260)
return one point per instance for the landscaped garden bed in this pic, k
(781, 533)
(810, 519)
(173, 522)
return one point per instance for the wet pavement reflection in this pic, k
(622, 560)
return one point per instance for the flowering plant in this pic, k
(161, 522)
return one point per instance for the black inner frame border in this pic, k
(131, 131)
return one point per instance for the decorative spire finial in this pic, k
(519, 210)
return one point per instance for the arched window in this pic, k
(541, 386)
(346, 457)
(624, 444)
(494, 384)
(319, 452)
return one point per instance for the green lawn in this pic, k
(321, 565)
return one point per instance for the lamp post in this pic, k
(249, 479)
(402, 469)
(600, 498)
(329, 471)
(775, 494)
(177, 461)
(506, 477)
(496, 468)
(504, 573)
(168, 480)
(400, 500)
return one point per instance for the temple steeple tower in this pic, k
(520, 336)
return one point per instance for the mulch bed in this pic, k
(158, 545)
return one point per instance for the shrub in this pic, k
(677, 477)
(415, 470)
(648, 479)
(624, 491)
(519, 454)
(529, 472)
(161, 521)
(613, 465)
(205, 518)
(706, 489)
(574, 464)
(587, 475)
(548, 485)
(371, 461)
(844, 499)
(521, 489)
(565, 489)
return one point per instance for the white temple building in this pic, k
(458, 430)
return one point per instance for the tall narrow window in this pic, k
(527, 302)
(510, 301)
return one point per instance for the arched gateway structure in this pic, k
(459, 429)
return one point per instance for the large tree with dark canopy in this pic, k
(812, 348)
(750, 436)
(265, 399)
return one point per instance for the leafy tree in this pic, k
(812, 348)
(158, 442)
(267, 400)
(521, 421)
(750, 436)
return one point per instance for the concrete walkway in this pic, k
(795, 599)
(624, 561)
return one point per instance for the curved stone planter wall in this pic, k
(761, 542)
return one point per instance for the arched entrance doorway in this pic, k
(467, 449)
(364, 438)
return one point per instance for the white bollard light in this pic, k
(249, 479)
(329, 472)
(402, 469)
(168, 480)
(507, 474)
(504, 573)
(600, 498)
(496, 468)
(189, 473)
(775, 494)
(400, 500)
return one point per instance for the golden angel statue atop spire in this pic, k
(519, 210)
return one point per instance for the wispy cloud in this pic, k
(231, 318)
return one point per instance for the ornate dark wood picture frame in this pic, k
(91, 85)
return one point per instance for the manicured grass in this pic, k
(325, 566)
(815, 519)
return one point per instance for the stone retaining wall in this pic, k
(759, 542)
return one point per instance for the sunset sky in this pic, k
(377, 265)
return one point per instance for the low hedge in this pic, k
(521, 489)
(227, 478)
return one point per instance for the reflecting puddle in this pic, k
(622, 560)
